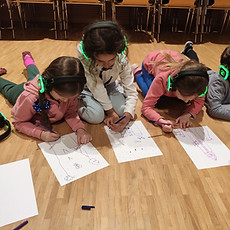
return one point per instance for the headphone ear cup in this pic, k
(42, 84)
(169, 84)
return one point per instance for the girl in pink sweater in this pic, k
(47, 98)
(174, 76)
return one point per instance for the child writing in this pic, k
(218, 96)
(174, 76)
(47, 98)
(102, 53)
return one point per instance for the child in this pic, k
(102, 53)
(47, 98)
(218, 96)
(174, 76)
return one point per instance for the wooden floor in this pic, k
(164, 192)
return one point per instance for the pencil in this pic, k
(162, 123)
(43, 126)
(120, 120)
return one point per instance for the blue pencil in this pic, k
(43, 126)
(120, 120)
(21, 225)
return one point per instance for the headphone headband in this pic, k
(190, 73)
(103, 24)
(44, 83)
(4, 123)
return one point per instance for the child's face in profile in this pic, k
(61, 97)
(186, 99)
(106, 60)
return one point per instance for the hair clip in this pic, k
(38, 108)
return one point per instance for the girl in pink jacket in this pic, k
(47, 98)
(174, 76)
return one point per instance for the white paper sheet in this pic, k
(17, 197)
(70, 162)
(133, 143)
(204, 148)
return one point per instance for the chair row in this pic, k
(147, 14)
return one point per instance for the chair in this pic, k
(11, 27)
(219, 5)
(138, 6)
(23, 14)
(181, 5)
(66, 3)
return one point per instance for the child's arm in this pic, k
(156, 90)
(129, 87)
(74, 121)
(23, 112)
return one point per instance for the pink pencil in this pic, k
(161, 123)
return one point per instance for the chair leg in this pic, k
(192, 16)
(65, 18)
(11, 20)
(113, 6)
(159, 23)
(55, 20)
(225, 17)
(103, 11)
(58, 14)
(147, 21)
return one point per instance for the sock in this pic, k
(28, 61)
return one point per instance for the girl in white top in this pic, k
(102, 53)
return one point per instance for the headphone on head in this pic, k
(98, 25)
(4, 123)
(171, 85)
(224, 72)
(46, 84)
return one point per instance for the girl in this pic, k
(47, 98)
(218, 96)
(174, 76)
(102, 53)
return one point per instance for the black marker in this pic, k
(87, 207)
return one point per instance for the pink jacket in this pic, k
(159, 85)
(25, 116)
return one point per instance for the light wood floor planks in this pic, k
(165, 192)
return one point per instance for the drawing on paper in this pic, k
(70, 161)
(204, 148)
(132, 143)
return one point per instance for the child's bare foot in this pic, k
(2, 71)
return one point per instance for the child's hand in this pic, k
(83, 137)
(166, 128)
(111, 118)
(122, 124)
(184, 120)
(48, 136)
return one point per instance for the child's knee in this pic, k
(92, 116)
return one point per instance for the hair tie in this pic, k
(38, 108)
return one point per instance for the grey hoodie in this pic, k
(218, 96)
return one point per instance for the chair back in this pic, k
(134, 2)
(87, 1)
(221, 4)
(181, 3)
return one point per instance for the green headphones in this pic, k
(171, 84)
(46, 84)
(224, 72)
(103, 24)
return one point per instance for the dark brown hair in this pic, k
(62, 66)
